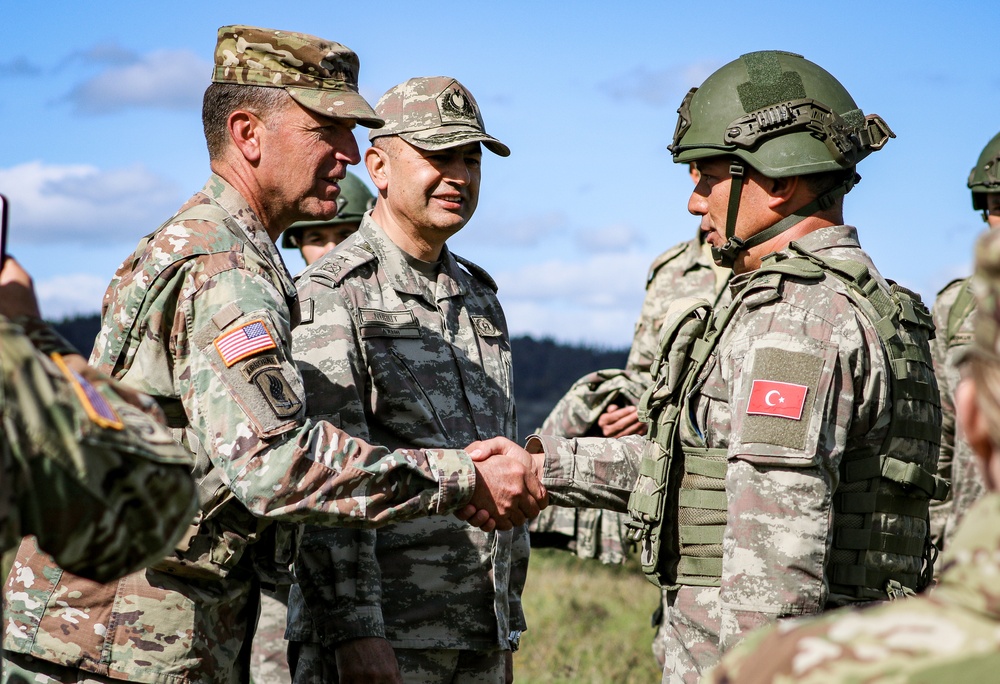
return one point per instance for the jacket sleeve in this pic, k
(247, 411)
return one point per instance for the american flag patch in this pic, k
(96, 406)
(246, 340)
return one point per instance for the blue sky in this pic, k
(102, 133)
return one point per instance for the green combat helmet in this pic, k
(354, 200)
(782, 115)
(985, 175)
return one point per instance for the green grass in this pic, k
(587, 623)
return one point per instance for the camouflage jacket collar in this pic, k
(227, 197)
(404, 277)
(818, 241)
(969, 566)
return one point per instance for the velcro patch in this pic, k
(248, 339)
(485, 327)
(379, 323)
(277, 392)
(94, 404)
(782, 399)
(261, 363)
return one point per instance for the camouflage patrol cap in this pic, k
(434, 113)
(320, 75)
(986, 286)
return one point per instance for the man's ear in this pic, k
(377, 162)
(245, 131)
(781, 191)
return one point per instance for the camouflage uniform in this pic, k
(781, 475)
(401, 352)
(950, 635)
(956, 463)
(88, 469)
(170, 314)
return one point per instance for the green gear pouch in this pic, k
(682, 352)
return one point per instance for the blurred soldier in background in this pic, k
(88, 467)
(793, 435)
(952, 313)
(404, 343)
(315, 238)
(953, 633)
(200, 317)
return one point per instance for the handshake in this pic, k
(508, 489)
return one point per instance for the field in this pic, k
(588, 623)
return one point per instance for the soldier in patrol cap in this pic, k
(88, 467)
(952, 634)
(423, 359)
(793, 436)
(315, 238)
(200, 317)
(952, 311)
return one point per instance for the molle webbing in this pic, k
(881, 506)
(701, 516)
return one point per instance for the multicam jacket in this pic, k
(200, 317)
(952, 313)
(950, 635)
(87, 468)
(684, 270)
(402, 353)
(781, 475)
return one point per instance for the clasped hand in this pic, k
(508, 489)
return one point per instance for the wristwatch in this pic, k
(515, 639)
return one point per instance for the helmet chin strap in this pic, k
(726, 255)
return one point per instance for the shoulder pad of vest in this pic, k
(335, 266)
(665, 258)
(954, 283)
(478, 272)
(798, 268)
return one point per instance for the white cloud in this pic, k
(82, 203)
(165, 79)
(68, 295)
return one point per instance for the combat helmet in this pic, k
(354, 200)
(782, 115)
(985, 175)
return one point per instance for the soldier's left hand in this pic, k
(619, 422)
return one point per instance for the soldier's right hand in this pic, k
(17, 294)
(508, 492)
(368, 660)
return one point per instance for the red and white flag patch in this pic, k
(246, 340)
(782, 399)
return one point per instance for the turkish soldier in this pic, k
(952, 634)
(315, 238)
(793, 436)
(200, 317)
(407, 344)
(952, 313)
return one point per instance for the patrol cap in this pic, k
(434, 113)
(986, 286)
(319, 74)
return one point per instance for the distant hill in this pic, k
(543, 369)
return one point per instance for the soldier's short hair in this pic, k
(222, 99)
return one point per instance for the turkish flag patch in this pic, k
(781, 399)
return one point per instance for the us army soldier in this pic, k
(405, 344)
(793, 436)
(952, 313)
(199, 317)
(950, 635)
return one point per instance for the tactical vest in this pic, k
(881, 544)
(224, 531)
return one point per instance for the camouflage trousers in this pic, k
(268, 656)
(313, 664)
